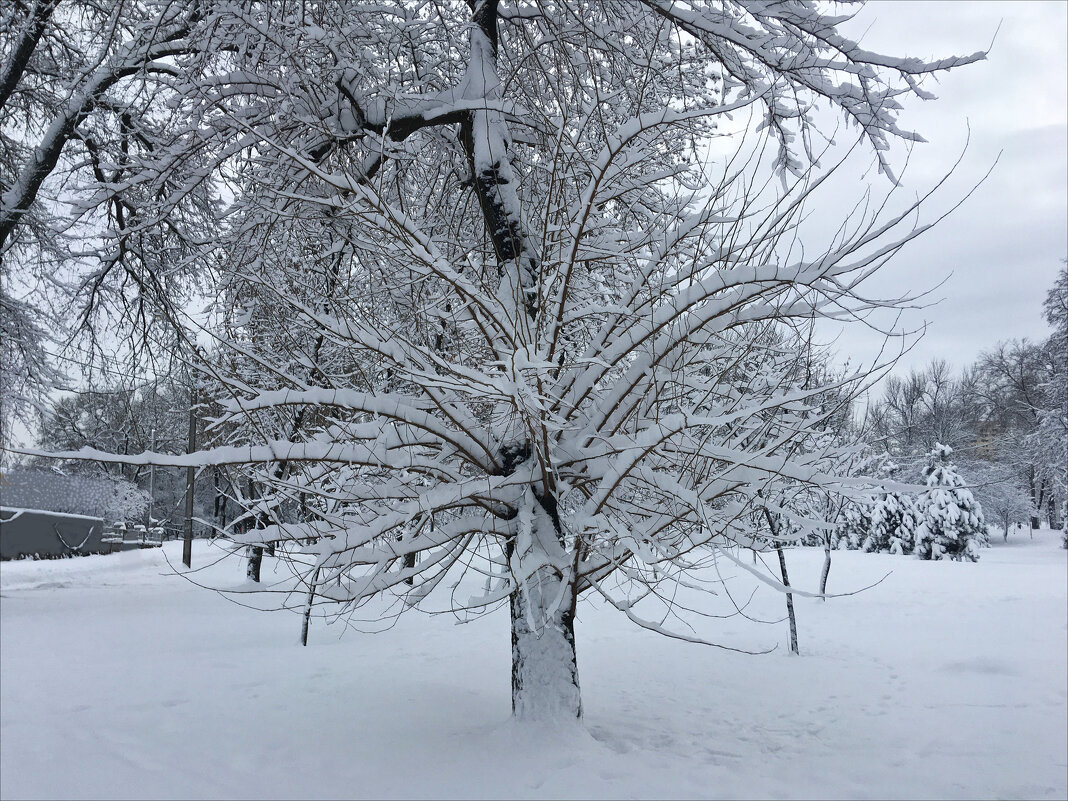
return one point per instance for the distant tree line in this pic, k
(131, 420)
(1004, 417)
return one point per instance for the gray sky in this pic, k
(1004, 246)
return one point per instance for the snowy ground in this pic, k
(119, 679)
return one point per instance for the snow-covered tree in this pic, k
(930, 405)
(28, 371)
(1001, 493)
(1002, 412)
(892, 525)
(127, 420)
(1013, 379)
(951, 524)
(83, 88)
(853, 516)
(544, 305)
(81, 83)
(1050, 439)
(854, 525)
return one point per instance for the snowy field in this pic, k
(122, 680)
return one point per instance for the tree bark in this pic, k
(545, 682)
(774, 529)
(306, 624)
(826, 566)
(410, 558)
(219, 510)
(255, 552)
(789, 600)
(544, 665)
(255, 559)
(1035, 522)
(190, 478)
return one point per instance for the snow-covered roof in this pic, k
(17, 512)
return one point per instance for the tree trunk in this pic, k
(544, 666)
(255, 552)
(255, 559)
(789, 600)
(409, 562)
(545, 682)
(306, 624)
(219, 508)
(1042, 499)
(1035, 522)
(190, 478)
(410, 558)
(774, 529)
(826, 566)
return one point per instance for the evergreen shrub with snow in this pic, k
(894, 520)
(856, 523)
(951, 522)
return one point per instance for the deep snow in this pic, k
(120, 679)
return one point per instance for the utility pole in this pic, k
(151, 487)
(190, 475)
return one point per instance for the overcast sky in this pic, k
(1003, 247)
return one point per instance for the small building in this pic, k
(47, 514)
(39, 533)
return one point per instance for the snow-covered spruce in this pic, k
(855, 525)
(951, 522)
(893, 524)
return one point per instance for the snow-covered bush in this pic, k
(951, 523)
(856, 523)
(894, 520)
